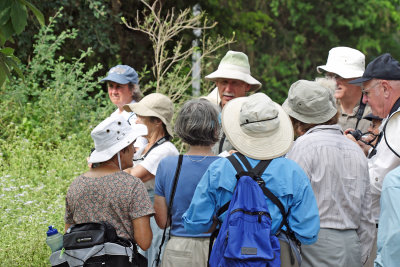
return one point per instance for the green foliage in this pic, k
(45, 139)
(13, 19)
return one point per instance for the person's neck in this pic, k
(154, 136)
(103, 169)
(200, 151)
(349, 103)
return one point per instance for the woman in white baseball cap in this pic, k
(107, 193)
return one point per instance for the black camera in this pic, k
(357, 134)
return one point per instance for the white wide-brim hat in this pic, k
(235, 65)
(392, 133)
(112, 135)
(257, 127)
(154, 105)
(345, 62)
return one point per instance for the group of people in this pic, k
(330, 146)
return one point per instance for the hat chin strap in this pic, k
(119, 161)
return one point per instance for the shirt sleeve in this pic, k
(199, 216)
(153, 159)
(303, 215)
(159, 188)
(140, 204)
(388, 253)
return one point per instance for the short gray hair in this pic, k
(197, 123)
(136, 93)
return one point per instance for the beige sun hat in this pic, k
(155, 105)
(344, 61)
(392, 132)
(310, 102)
(112, 135)
(235, 65)
(257, 127)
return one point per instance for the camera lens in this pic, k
(357, 134)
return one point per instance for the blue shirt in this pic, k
(388, 254)
(283, 177)
(193, 168)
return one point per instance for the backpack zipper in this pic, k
(259, 213)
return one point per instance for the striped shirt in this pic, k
(338, 172)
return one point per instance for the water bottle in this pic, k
(54, 239)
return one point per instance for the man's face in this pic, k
(230, 88)
(119, 94)
(343, 89)
(373, 95)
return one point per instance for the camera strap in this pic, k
(360, 112)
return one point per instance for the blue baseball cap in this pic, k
(122, 74)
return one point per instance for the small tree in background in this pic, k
(172, 68)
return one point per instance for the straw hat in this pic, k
(112, 135)
(155, 105)
(235, 65)
(257, 127)
(391, 132)
(310, 102)
(345, 62)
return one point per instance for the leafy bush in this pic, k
(44, 141)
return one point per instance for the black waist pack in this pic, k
(86, 235)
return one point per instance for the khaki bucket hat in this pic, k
(310, 102)
(257, 127)
(235, 65)
(155, 105)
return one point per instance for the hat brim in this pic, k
(106, 154)
(262, 148)
(359, 81)
(115, 77)
(342, 72)
(237, 75)
(391, 133)
(142, 110)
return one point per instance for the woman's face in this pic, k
(127, 156)
(146, 121)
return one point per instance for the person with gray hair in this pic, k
(197, 126)
(338, 172)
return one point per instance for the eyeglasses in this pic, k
(365, 91)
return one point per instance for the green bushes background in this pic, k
(46, 116)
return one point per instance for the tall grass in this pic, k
(45, 126)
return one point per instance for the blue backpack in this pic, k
(245, 237)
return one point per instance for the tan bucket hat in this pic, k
(155, 105)
(235, 65)
(310, 102)
(257, 127)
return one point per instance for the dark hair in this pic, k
(304, 127)
(136, 93)
(197, 123)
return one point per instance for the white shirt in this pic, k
(379, 165)
(151, 161)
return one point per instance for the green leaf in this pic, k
(2, 75)
(35, 11)
(7, 51)
(18, 17)
(12, 62)
(4, 14)
(7, 30)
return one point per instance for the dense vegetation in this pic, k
(47, 116)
